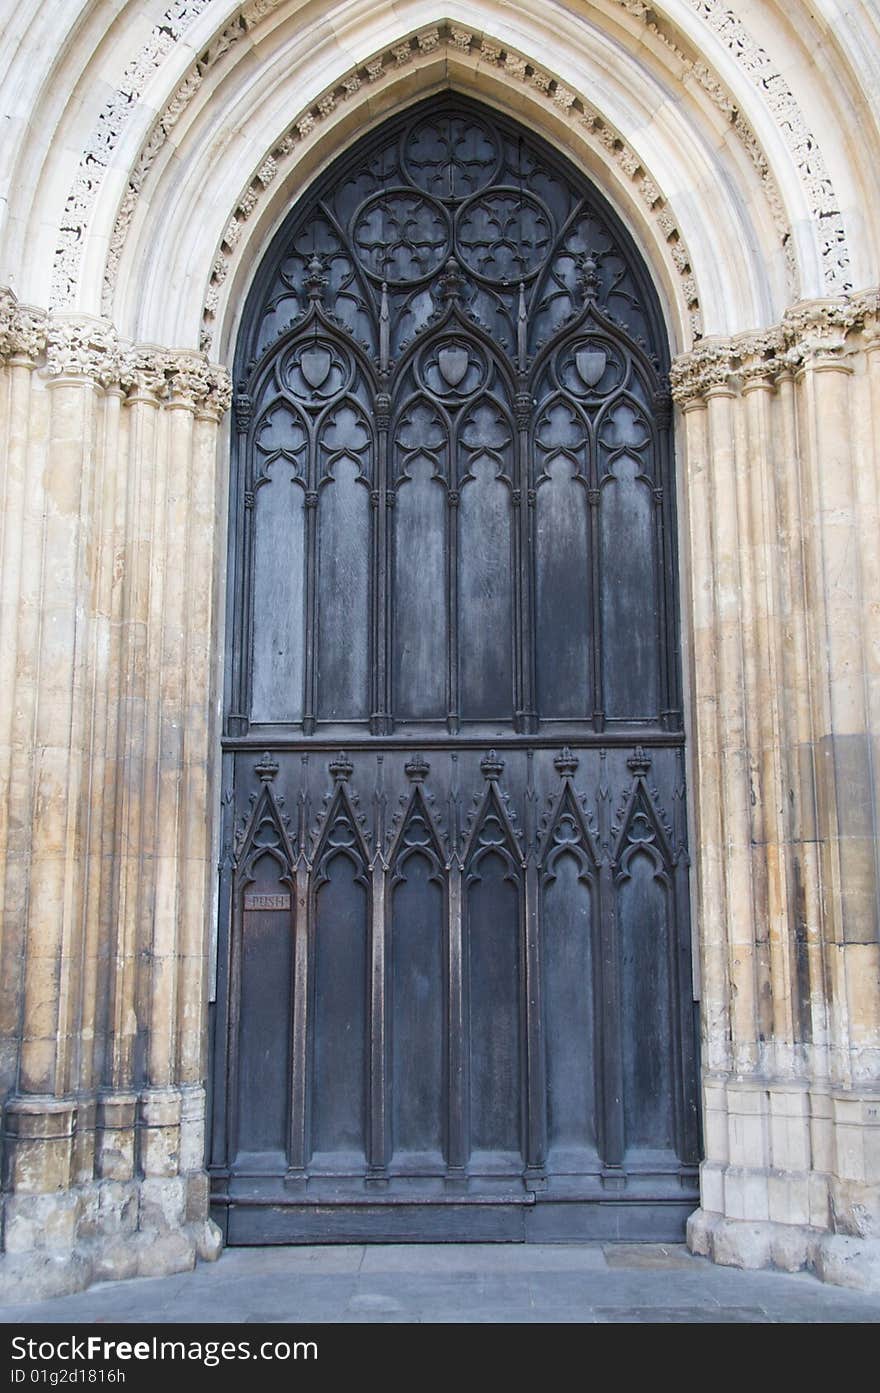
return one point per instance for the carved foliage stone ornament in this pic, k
(76, 346)
(105, 136)
(22, 329)
(811, 331)
(835, 256)
(809, 160)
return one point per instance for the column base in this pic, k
(834, 1257)
(102, 1231)
(101, 1188)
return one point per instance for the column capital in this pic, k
(22, 330)
(812, 334)
(80, 348)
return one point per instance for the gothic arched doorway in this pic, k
(454, 978)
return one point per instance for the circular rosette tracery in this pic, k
(451, 158)
(504, 236)
(590, 367)
(316, 369)
(453, 367)
(401, 236)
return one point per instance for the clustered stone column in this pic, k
(107, 575)
(781, 449)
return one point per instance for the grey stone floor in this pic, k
(460, 1283)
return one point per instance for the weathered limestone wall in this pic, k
(107, 578)
(781, 445)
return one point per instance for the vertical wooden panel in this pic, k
(485, 596)
(629, 601)
(567, 931)
(494, 1008)
(264, 1029)
(457, 1116)
(420, 620)
(477, 543)
(645, 1007)
(339, 1077)
(417, 1012)
(343, 596)
(563, 634)
(279, 616)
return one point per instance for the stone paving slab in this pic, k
(460, 1283)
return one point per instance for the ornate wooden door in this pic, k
(454, 992)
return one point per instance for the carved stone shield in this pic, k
(591, 363)
(315, 364)
(453, 364)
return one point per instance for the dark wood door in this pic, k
(454, 990)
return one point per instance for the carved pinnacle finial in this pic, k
(316, 279)
(566, 763)
(267, 768)
(341, 768)
(452, 281)
(639, 761)
(491, 766)
(588, 277)
(417, 769)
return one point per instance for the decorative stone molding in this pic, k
(22, 329)
(160, 133)
(83, 348)
(179, 15)
(176, 377)
(78, 346)
(105, 137)
(257, 10)
(712, 85)
(781, 102)
(426, 42)
(811, 331)
(431, 41)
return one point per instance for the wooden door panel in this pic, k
(417, 1008)
(264, 1021)
(494, 1005)
(420, 618)
(485, 599)
(453, 991)
(568, 923)
(339, 1078)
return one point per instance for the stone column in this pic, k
(841, 461)
(22, 441)
(48, 1120)
(106, 587)
(708, 850)
(782, 485)
(206, 523)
